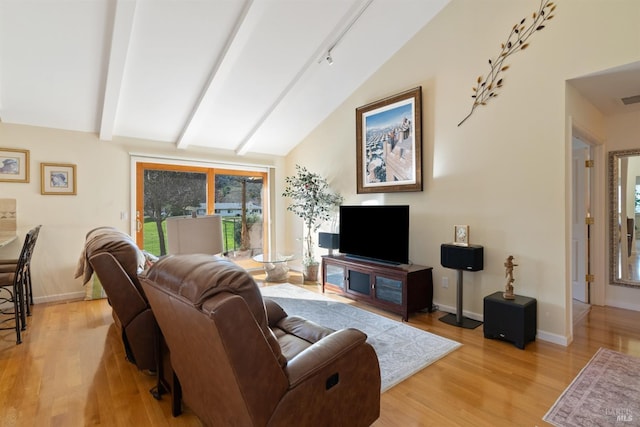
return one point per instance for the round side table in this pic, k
(275, 267)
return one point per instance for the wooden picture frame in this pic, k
(14, 165)
(389, 144)
(461, 235)
(58, 178)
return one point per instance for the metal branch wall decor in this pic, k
(487, 86)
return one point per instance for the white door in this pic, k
(580, 210)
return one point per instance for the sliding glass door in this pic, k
(239, 199)
(173, 190)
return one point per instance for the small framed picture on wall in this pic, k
(58, 178)
(14, 165)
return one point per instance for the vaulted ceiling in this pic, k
(613, 91)
(251, 76)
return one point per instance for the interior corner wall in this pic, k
(502, 172)
(104, 185)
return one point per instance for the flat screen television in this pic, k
(377, 233)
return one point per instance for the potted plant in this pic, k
(314, 202)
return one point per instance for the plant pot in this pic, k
(310, 272)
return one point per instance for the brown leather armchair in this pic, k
(117, 261)
(241, 361)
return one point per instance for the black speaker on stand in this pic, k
(461, 258)
(329, 241)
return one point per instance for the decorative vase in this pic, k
(310, 272)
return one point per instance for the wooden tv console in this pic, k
(400, 289)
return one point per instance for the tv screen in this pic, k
(378, 233)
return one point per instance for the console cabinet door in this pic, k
(389, 289)
(334, 275)
(359, 282)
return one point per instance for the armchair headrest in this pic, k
(194, 279)
(118, 244)
(197, 277)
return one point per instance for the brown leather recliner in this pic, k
(241, 361)
(117, 261)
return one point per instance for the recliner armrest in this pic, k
(124, 296)
(275, 313)
(322, 354)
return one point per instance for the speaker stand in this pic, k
(458, 319)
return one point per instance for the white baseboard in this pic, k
(453, 310)
(622, 304)
(553, 338)
(59, 297)
(541, 335)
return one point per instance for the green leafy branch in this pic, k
(487, 86)
(313, 201)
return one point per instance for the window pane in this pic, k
(238, 199)
(170, 193)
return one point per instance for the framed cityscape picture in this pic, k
(389, 144)
(58, 178)
(14, 165)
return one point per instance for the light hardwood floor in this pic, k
(71, 371)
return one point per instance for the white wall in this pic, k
(504, 171)
(103, 195)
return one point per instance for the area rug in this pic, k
(402, 349)
(605, 393)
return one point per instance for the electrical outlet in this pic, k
(445, 282)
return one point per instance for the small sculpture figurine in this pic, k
(509, 273)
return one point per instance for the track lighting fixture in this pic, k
(329, 58)
(355, 13)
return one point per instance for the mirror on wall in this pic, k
(624, 217)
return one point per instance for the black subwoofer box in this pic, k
(513, 320)
(470, 258)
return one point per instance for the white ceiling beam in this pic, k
(330, 42)
(233, 46)
(120, 41)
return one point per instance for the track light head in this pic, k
(329, 58)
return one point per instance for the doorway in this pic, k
(581, 221)
(587, 243)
